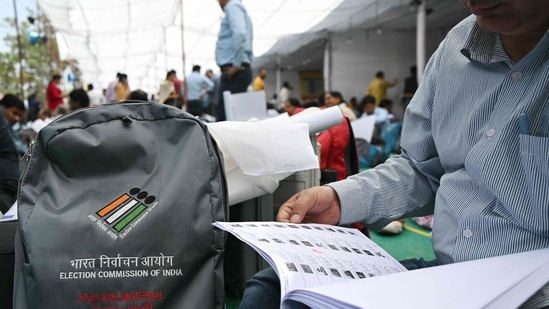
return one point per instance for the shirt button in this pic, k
(467, 233)
(516, 75)
(490, 132)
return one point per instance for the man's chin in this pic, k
(494, 23)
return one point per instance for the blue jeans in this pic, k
(263, 289)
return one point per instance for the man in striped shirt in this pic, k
(475, 147)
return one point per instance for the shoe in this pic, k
(392, 228)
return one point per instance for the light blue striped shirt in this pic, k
(464, 155)
(234, 42)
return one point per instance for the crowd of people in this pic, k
(463, 155)
(201, 95)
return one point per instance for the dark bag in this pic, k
(7, 259)
(116, 208)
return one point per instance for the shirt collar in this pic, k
(485, 46)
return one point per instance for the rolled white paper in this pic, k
(319, 119)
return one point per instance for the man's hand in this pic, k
(316, 205)
(230, 71)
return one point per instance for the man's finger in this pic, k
(295, 209)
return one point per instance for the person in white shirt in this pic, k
(283, 95)
(96, 96)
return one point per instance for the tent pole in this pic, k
(420, 38)
(327, 63)
(166, 67)
(20, 49)
(182, 40)
(278, 75)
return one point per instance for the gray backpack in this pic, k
(116, 205)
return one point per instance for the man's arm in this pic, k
(392, 84)
(57, 93)
(208, 83)
(237, 22)
(404, 185)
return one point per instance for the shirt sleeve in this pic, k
(404, 185)
(237, 23)
(209, 83)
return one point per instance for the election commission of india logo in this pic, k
(118, 217)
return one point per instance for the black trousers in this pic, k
(236, 84)
(195, 108)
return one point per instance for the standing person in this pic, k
(410, 87)
(181, 99)
(110, 93)
(167, 93)
(259, 81)
(475, 149)
(234, 51)
(54, 95)
(96, 96)
(122, 88)
(378, 87)
(198, 86)
(34, 107)
(283, 95)
(213, 95)
(9, 159)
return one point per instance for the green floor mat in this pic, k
(232, 304)
(413, 242)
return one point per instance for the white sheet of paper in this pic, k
(257, 155)
(266, 147)
(245, 106)
(499, 282)
(308, 255)
(364, 127)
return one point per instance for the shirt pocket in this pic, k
(534, 156)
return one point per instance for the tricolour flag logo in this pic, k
(120, 213)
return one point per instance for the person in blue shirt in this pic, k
(198, 86)
(212, 99)
(475, 150)
(233, 51)
(381, 112)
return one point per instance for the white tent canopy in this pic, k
(371, 17)
(144, 39)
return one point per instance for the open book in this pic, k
(322, 266)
